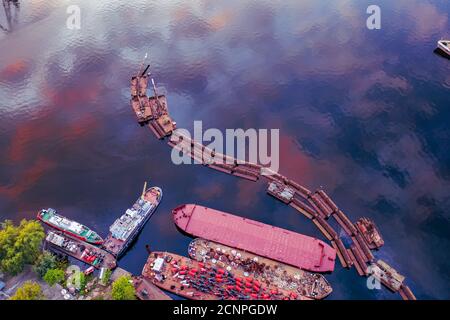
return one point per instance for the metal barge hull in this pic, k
(292, 248)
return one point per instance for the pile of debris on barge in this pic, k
(203, 281)
(280, 275)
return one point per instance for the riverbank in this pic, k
(12, 283)
(144, 289)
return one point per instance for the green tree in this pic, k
(62, 262)
(45, 262)
(54, 276)
(19, 245)
(28, 291)
(123, 289)
(78, 280)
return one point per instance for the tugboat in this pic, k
(444, 45)
(50, 217)
(370, 233)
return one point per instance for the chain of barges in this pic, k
(316, 205)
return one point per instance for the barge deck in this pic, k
(203, 281)
(283, 276)
(80, 250)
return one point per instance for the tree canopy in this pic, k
(19, 245)
(123, 289)
(45, 262)
(28, 291)
(54, 276)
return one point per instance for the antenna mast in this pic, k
(143, 190)
(142, 63)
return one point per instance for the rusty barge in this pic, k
(150, 110)
(203, 281)
(80, 250)
(370, 233)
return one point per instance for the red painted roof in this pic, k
(272, 242)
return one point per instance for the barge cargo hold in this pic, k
(80, 250)
(280, 275)
(289, 247)
(125, 229)
(53, 219)
(203, 281)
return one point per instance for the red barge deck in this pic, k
(268, 241)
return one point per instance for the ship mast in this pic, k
(143, 190)
(141, 105)
(140, 66)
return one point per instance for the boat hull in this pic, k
(443, 47)
(120, 247)
(68, 232)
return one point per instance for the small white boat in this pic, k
(444, 45)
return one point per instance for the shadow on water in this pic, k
(441, 53)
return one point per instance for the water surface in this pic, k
(362, 113)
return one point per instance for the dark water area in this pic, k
(362, 113)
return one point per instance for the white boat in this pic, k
(444, 45)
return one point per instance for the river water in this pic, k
(362, 113)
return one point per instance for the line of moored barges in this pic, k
(316, 206)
